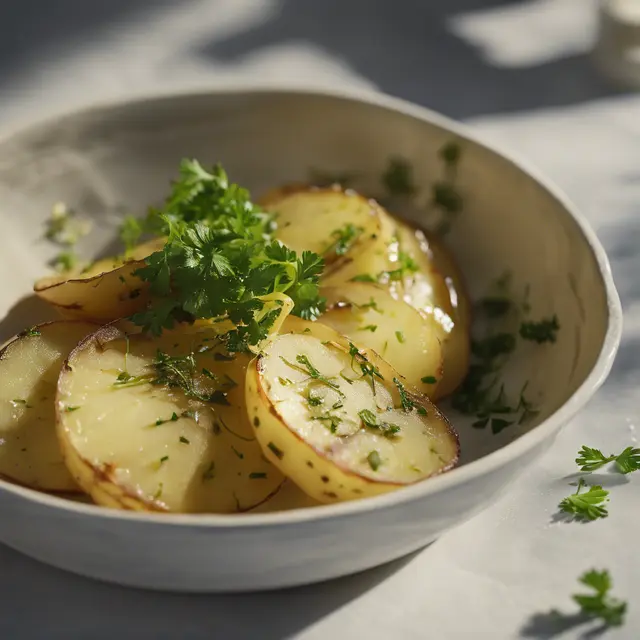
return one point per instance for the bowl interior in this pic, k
(119, 159)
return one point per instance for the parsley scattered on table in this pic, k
(590, 459)
(589, 505)
(600, 604)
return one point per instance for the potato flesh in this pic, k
(30, 364)
(206, 460)
(106, 291)
(441, 299)
(310, 220)
(337, 465)
(371, 317)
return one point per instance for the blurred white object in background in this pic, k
(617, 49)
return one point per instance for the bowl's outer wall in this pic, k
(193, 558)
(122, 157)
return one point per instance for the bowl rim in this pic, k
(412, 493)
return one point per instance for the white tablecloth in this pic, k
(519, 74)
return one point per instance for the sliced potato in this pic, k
(107, 290)
(29, 365)
(372, 318)
(334, 223)
(374, 258)
(443, 299)
(136, 444)
(310, 403)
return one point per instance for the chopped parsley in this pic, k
(408, 404)
(429, 379)
(543, 331)
(369, 419)
(285, 382)
(369, 327)
(70, 409)
(374, 460)
(331, 420)
(184, 440)
(276, 452)
(367, 370)
(400, 337)
(398, 178)
(588, 505)
(174, 418)
(372, 304)
(158, 494)
(163, 459)
(63, 226)
(343, 239)
(65, 261)
(363, 277)
(32, 332)
(304, 365)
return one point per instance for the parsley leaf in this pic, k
(628, 460)
(542, 331)
(398, 178)
(588, 505)
(370, 420)
(600, 604)
(343, 239)
(220, 260)
(590, 459)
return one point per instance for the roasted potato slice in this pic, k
(339, 422)
(29, 365)
(105, 291)
(442, 298)
(160, 424)
(372, 318)
(332, 222)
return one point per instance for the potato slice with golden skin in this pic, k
(339, 434)
(442, 298)
(30, 364)
(138, 445)
(107, 290)
(372, 318)
(334, 223)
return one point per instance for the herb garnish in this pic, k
(592, 459)
(220, 260)
(408, 404)
(429, 379)
(369, 327)
(304, 365)
(343, 239)
(400, 337)
(32, 332)
(184, 440)
(398, 178)
(588, 505)
(600, 604)
(542, 331)
(370, 420)
(374, 460)
(367, 369)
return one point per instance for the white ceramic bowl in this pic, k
(122, 156)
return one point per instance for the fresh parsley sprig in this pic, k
(588, 505)
(590, 459)
(220, 259)
(600, 604)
